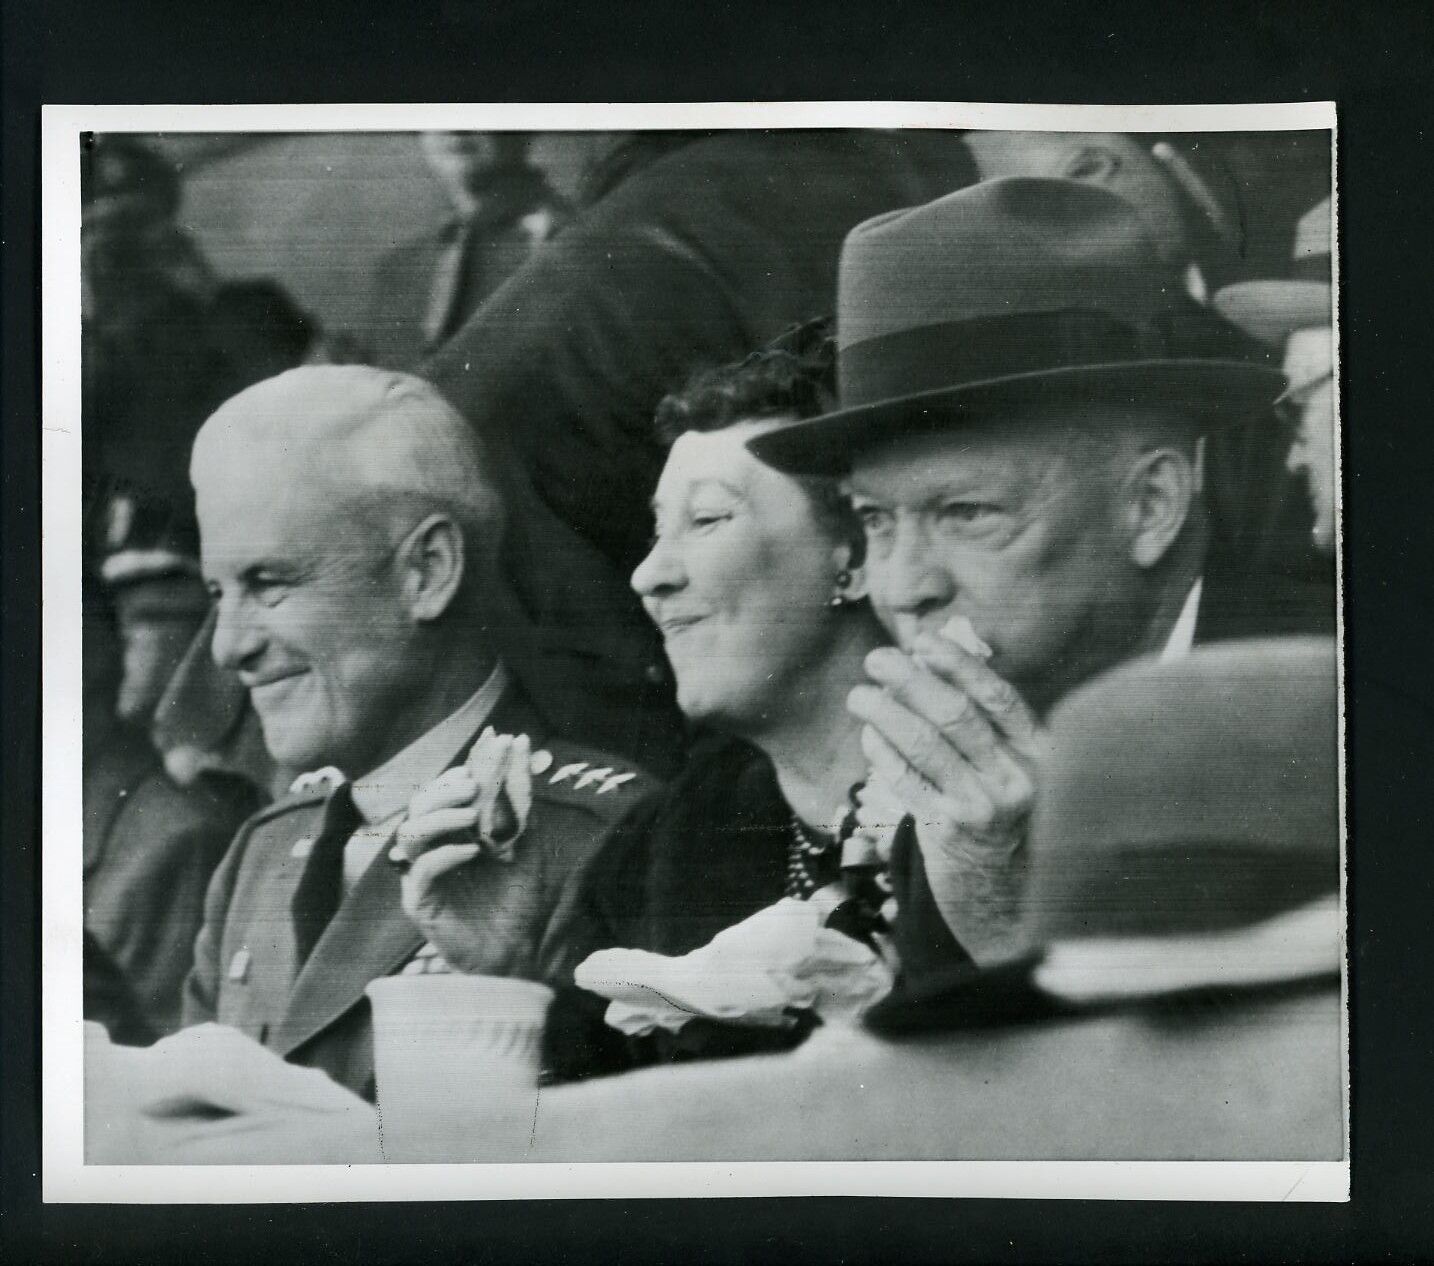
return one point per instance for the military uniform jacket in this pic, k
(250, 971)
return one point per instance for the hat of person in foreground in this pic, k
(1187, 830)
(1271, 309)
(1012, 295)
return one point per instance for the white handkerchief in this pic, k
(754, 972)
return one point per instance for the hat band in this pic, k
(953, 354)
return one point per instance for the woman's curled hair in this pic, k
(792, 378)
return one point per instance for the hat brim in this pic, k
(131, 566)
(1270, 311)
(1217, 392)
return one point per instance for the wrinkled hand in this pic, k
(478, 913)
(955, 746)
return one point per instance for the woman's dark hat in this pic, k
(1009, 296)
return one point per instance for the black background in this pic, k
(1375, 59)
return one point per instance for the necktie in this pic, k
(320, 890)
(449, 278)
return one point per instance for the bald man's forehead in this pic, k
(244, 521)
(250, 496)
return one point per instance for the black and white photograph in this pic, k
(787, 650)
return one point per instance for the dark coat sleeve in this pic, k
(924, 942)
(109, 999)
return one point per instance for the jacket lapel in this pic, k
(370, 936)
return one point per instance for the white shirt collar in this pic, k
(1182, 636)
(388, 789)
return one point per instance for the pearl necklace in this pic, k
(802, 851)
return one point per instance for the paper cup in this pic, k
(455, 1044)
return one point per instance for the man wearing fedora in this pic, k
(1024, 383)
(1296, 313)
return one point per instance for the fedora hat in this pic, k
(1192, 796)
(1273, 309)
(1009, 296)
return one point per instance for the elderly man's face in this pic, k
(1015, 531)
(310, 615)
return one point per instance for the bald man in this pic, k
(349, 525)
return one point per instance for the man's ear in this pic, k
(430, 563)
(1159, 491)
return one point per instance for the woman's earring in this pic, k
(839, 598)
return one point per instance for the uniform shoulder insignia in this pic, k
(593, 778)
(309, 789)
(325, 780)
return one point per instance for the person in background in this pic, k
(755, 581)
(503, 208)
(149, 563)
(150, 847)
(350, 523)
(165, 342)
(1296, 314)
(1020, 443)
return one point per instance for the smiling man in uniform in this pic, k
(350, 522)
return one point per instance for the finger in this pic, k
(415, 836)
(494, 764)
(429, 869)
(879, 812)
(913, 793)
(519, 783)
(962, 805)
(997, 698)
(877, 807)
(450, 789)
(919, 743)
(950, 709)
(483, 756)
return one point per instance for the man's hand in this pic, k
(954, 745)
(477, 913)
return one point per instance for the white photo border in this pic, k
(65, 1176)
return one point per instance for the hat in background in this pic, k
(1192, 797)
(1013, 295)
(145, 538)
(1270, 310)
